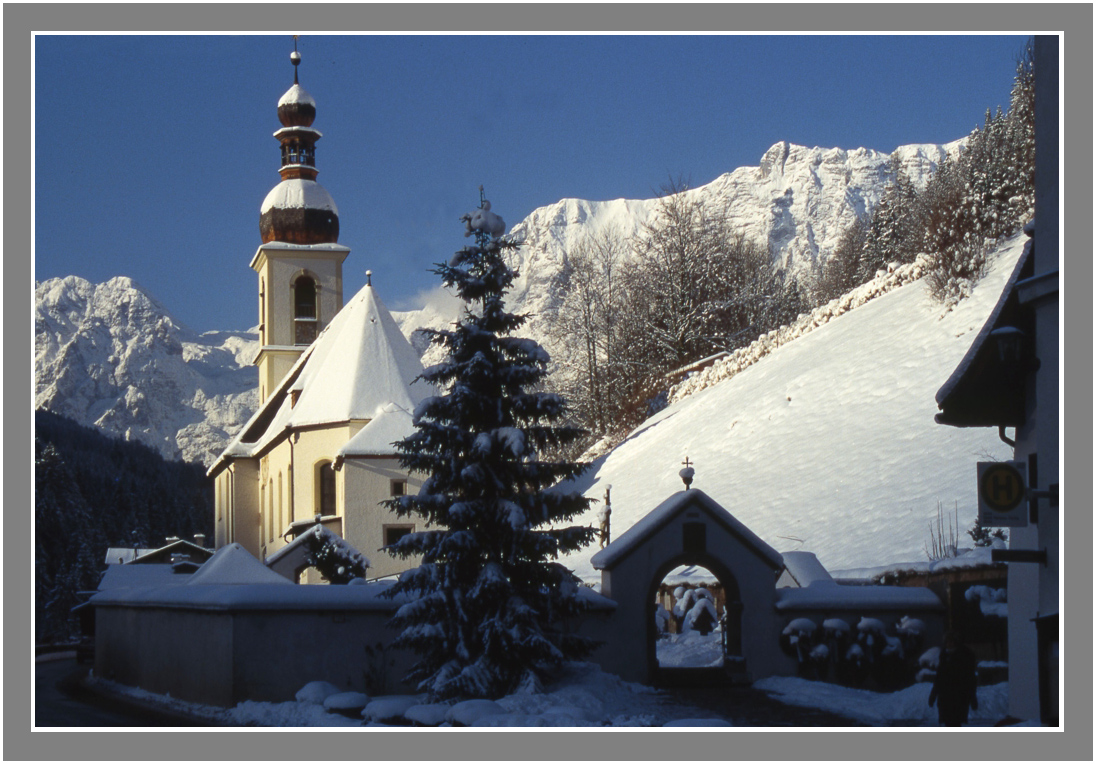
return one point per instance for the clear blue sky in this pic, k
(153, 153)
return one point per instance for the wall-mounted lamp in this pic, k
(1012, 349)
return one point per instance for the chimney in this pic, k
(199, 539)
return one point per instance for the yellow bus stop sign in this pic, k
(1002, 491)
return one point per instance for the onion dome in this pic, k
(298, 210)
(296, 108)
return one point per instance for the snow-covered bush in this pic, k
(701, 616)
(346, 703)
(468, 712)
(662, 620)
(333, 557)
(316, 692)
(991, 602)
(389, 708)
(853, 656)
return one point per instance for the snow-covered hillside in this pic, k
(827, 443)
(109, 355)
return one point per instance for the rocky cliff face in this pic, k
(109, 355)
(797, 201)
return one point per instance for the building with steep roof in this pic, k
(338, 384)
(1010, 379)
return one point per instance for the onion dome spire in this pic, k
(298, 210)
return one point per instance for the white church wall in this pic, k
(366, 482)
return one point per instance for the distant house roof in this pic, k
(163, 554)
(671, 508)
(119, 555)
(982, 391)
(232, 564)
(137, 576)
(360, 366)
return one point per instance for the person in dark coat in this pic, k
(955, 689)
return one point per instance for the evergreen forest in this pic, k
(93, 492)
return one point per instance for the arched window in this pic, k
(325, 478)
(304, 298)
(304, 310)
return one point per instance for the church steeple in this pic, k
(300, 260)
(298, 210)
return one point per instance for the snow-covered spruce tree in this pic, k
(336, 561)
(487, 600)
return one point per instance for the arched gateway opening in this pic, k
(690, 529)
(695, 633)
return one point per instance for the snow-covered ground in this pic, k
(689, 650)
(826, 440)
(908, 707)
(585, 696)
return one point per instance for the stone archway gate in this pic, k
(689, 528)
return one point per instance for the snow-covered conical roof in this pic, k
(361, 367)
(358, 366)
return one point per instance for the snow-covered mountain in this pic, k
(109, 355)
(822, 439)
(797, 202)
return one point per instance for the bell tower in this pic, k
(300, 260)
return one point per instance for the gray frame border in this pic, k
(1076, 23)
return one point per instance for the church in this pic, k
(337, 383)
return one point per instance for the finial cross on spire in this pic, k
(295, 57)
(687, 473)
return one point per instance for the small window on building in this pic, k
(304, 298)
(327, 489)
(304, 311)
(399, 487)
(393, 533)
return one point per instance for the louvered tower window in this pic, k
(304, 311)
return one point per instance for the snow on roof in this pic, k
(967, 559)
(805, 568)
(296, 94)
(360, 365)
(376, 438)
(299, 193)
(302, 540)
(178, 546)
(829, 594)
(667, 510)
(232, 564)
(968, 360)
(297, 129)
(134, 576)
(265, 596)
(116, 555)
